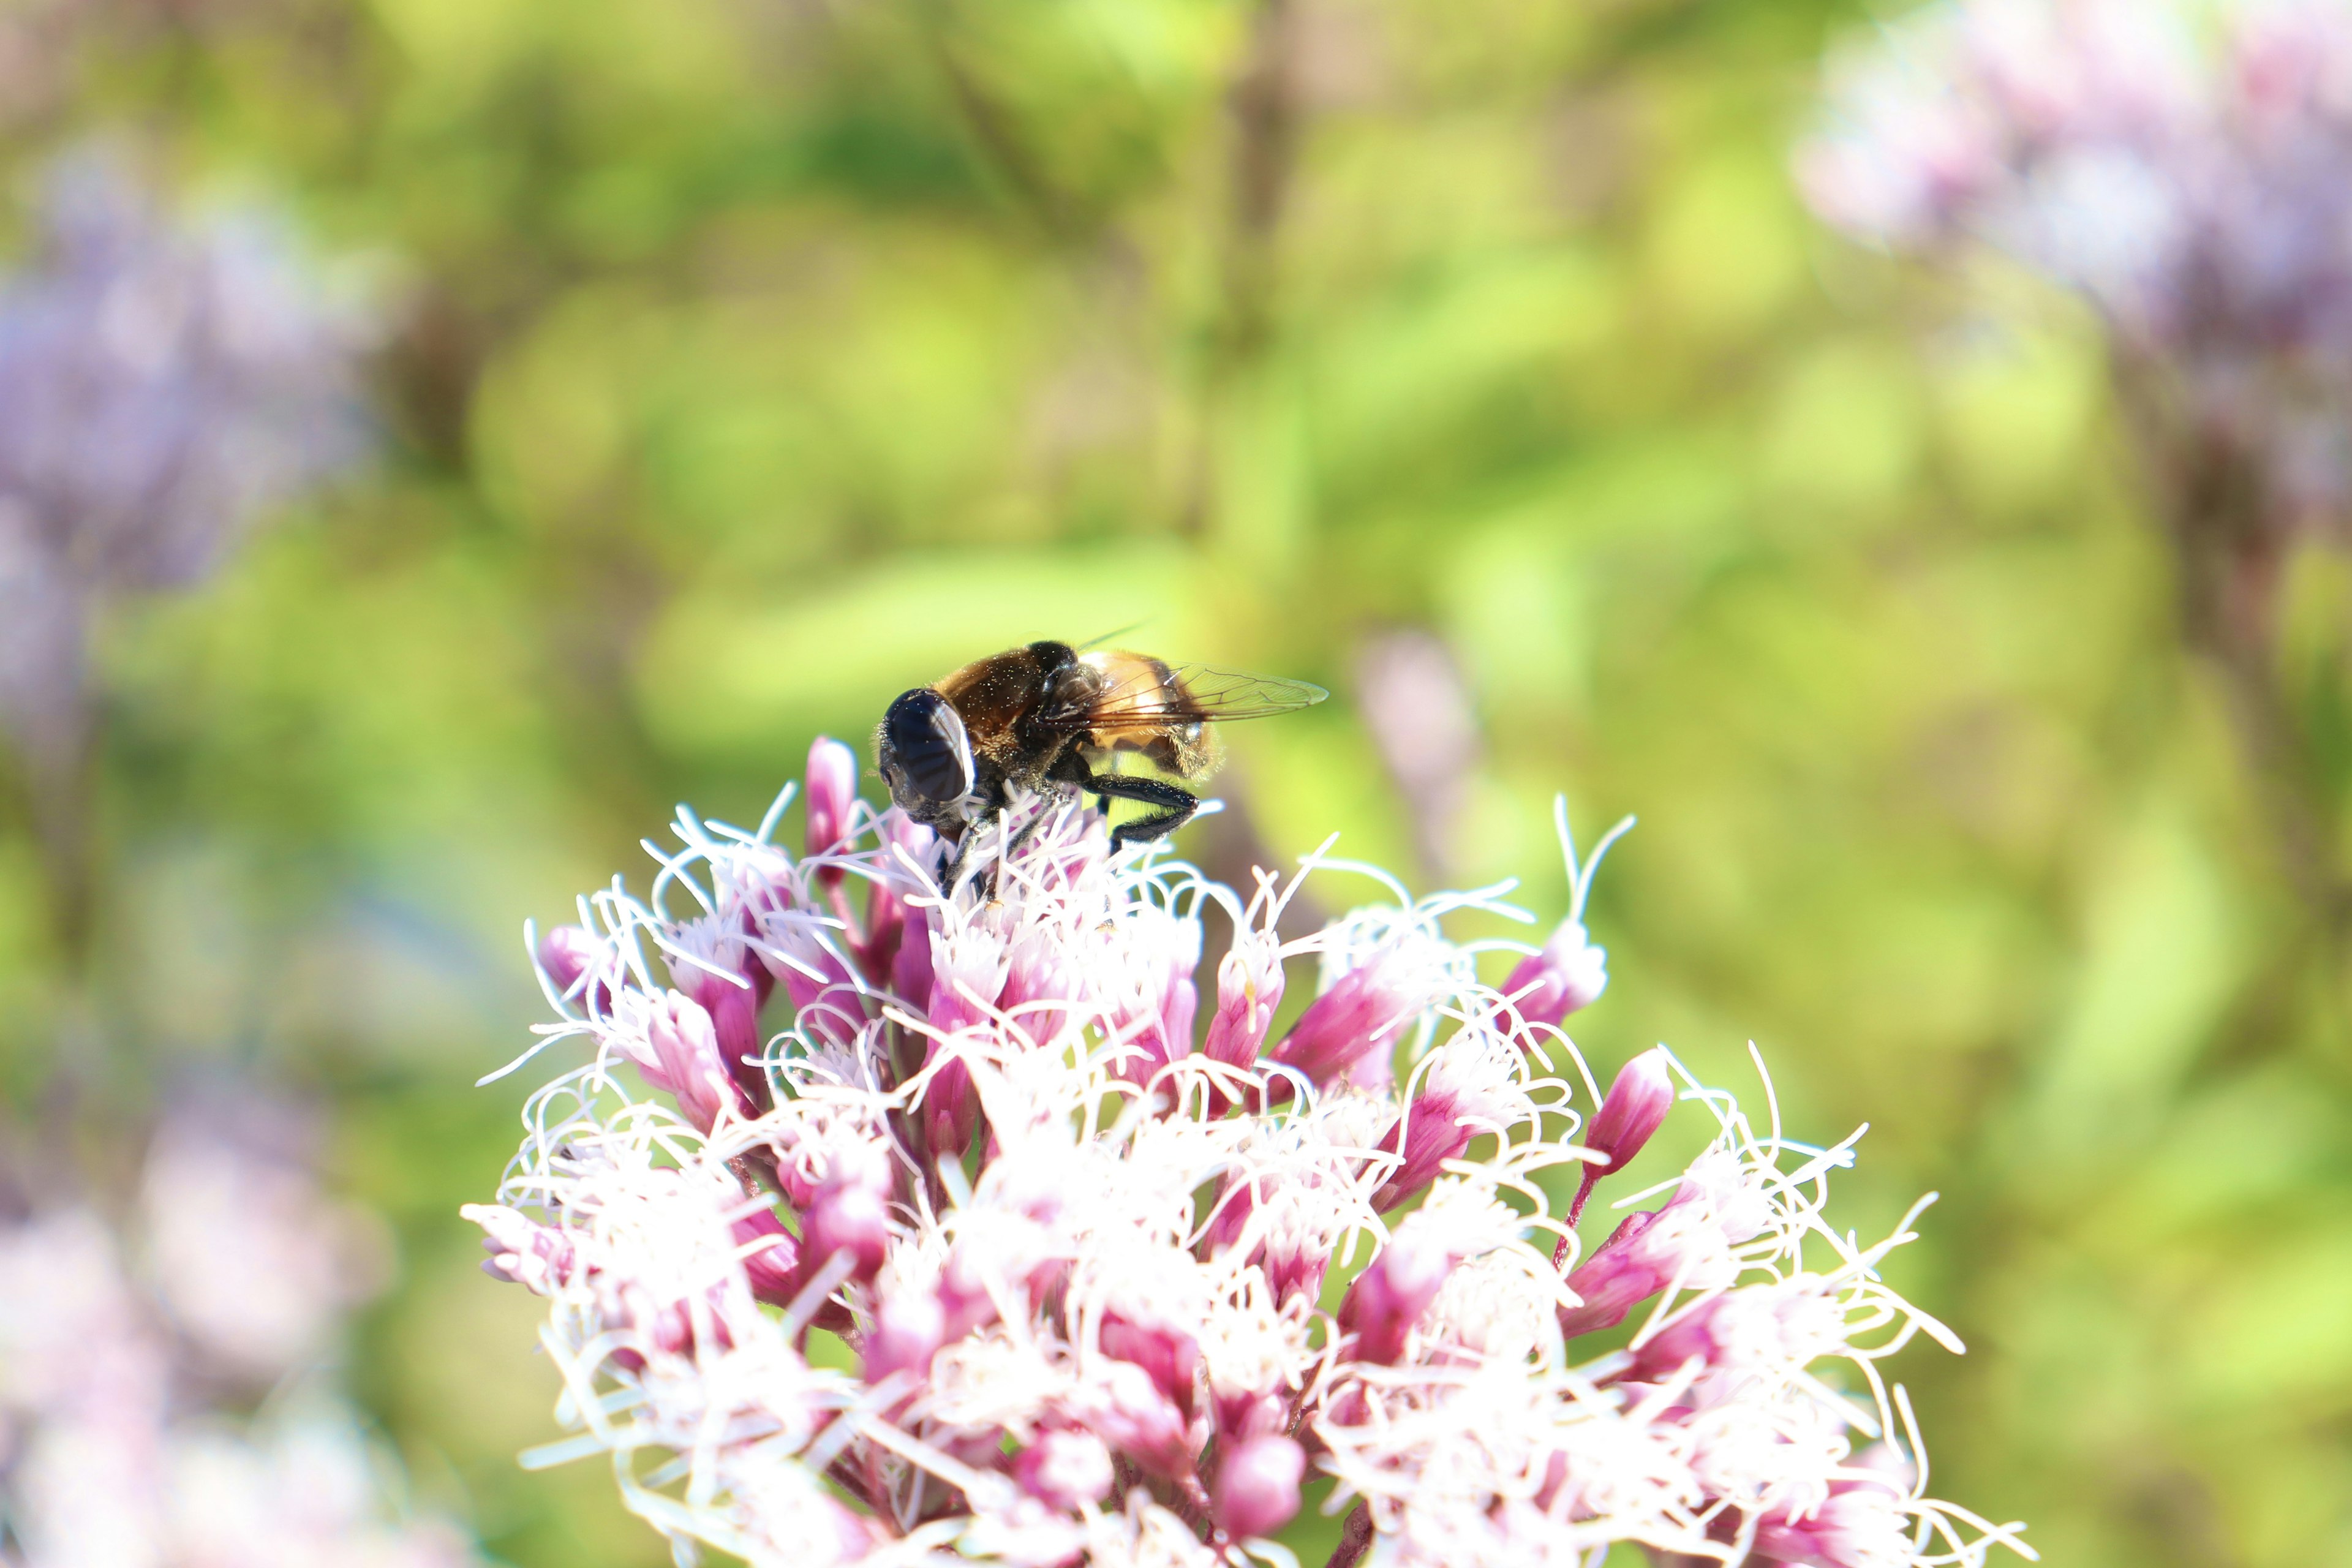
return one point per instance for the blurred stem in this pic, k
(1264, 107)
(1355, 1539)
(996, 130)
(2229, 556)
(1629, 31)
(603, 590)
(59, 751)
(61, 781)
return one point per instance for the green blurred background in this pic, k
(754, 359)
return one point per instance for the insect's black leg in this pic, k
(1176, 806)
(994, 804)
(963, 870)
(1102, 795)
(952, 867)
(1003, 852)
(1028, 831)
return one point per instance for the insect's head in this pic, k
(926, 756)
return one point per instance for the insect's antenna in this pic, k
(1100, 638)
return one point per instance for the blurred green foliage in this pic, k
(757, 359)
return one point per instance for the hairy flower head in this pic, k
(1116, 1279)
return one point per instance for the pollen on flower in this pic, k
(1077, 1237)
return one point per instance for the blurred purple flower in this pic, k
(164, 381)
(2179, 166)
(2192, 193)
(1423, 725)
(115, 1352)
(253, 1264)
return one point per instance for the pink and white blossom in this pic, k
(118, 1343)
(1117, 1282)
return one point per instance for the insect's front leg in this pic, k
(992, 801)
(951, 861)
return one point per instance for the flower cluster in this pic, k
(2184, 178)
(163, 383)
(954, 1231)
(121, 1368)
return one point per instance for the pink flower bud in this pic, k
(1178, 1010)
(951, 1107)
(1168, 1354)
(875, 944)
(1713, 1210)
(1228, 1216)
(1861, 1524)
(1426, 1136)
(1351, 1029)
(1569, 973)
(566, 954)
(1293, 1270)
(686, 1062)
(1041, 978)
(1290, 1268)
(910, 967)
(1064, 1469)
(1621, 1274)
(1160, 1034)
(1389, 1296)
(671, 1329)
(1249, 990)
(1153, 1021)
(728, 982)
(827, 1003)
(1132, 1416)
(963, 1291)
(1636, 1105)
(1567, 976)
(852, 1217)
(1241, 1416)
(770, 1257)
(832, 791)
(1691, 1335)
(908, 1331)
(735, 1018)
(523, 1251)
(890, 924)
(1144, 1049)
(1257, 1486)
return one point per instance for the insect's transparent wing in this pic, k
(1141, 700)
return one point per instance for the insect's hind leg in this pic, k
(1176, 806)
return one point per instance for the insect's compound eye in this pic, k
(928, 747)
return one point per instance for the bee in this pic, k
(1048, 719)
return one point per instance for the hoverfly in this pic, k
(1046, 718)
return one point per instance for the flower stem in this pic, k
(1355, 1539)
